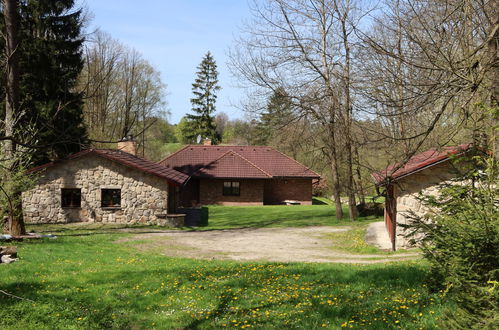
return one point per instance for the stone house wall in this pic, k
(211, 192)
(143, 196)
(408, 189)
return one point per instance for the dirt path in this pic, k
(264, 244)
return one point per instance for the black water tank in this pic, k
(195, 216)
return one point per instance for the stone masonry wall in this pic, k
(143, 196)
(408, 189)
(211, 192)
(279, 190)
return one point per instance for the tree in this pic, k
(43, 118)
(184, 132)
(50, 62)
(12, 192)
(204, 88)
(305, 48)
(277, 115)
(428, 65)
(459, 236)
(124, 94)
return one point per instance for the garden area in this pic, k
(96, 277)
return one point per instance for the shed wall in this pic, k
(142, 195)
(408, 189)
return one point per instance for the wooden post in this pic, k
(391, 215)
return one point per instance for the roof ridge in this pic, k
(297, 162)
(240, 156)
(253, 164)
(213, 161)
(176, 152)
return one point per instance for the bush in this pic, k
(320, 188)
(460, 239)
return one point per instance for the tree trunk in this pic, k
(335, 175)
(11, 16)
(360, 186)
(493, 49)
(348, 110)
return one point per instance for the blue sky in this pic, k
(173, 35)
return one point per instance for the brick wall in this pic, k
(142, 195)
(279, 190)
(211, 192)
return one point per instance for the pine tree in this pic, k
(204, 88)
(277, 115)
(50, 62)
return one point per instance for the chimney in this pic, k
(128, 144)
(207, 142)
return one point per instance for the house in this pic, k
(102, 185)
(240, 175)
(403, 184)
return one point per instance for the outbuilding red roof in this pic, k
(129, 160)
(256, 162)
(418, 162)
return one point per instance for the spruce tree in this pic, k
(204, 88)
(277, 115)
(50, 56)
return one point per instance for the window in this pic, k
(231, 188)
(70, 197)
(111, 198)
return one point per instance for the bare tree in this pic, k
(122, 91)
(429, 65)
(305, 48)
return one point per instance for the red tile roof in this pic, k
(236, 162)
(418, 162)
(129, 160)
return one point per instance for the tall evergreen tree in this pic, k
(205, 89)
(277, 114)
(50, 55)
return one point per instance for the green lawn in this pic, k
(90, 281)
(229, 217)
(90, 278)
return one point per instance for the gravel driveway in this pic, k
(304, 244)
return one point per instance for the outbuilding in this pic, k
(102, 185)
(403, 184)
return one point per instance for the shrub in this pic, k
(460, 239)
(320, 188)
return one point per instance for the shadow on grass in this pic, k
(316, 201)
(97, 276)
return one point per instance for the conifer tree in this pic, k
(204, 88)
(50, 58)
(278, 113)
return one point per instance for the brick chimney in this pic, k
(207, 142)
(128, 144)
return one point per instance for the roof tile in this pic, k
(129, 160)
(247, 161)
(418, 162)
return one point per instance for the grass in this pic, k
(231, 217)
(91, 281)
